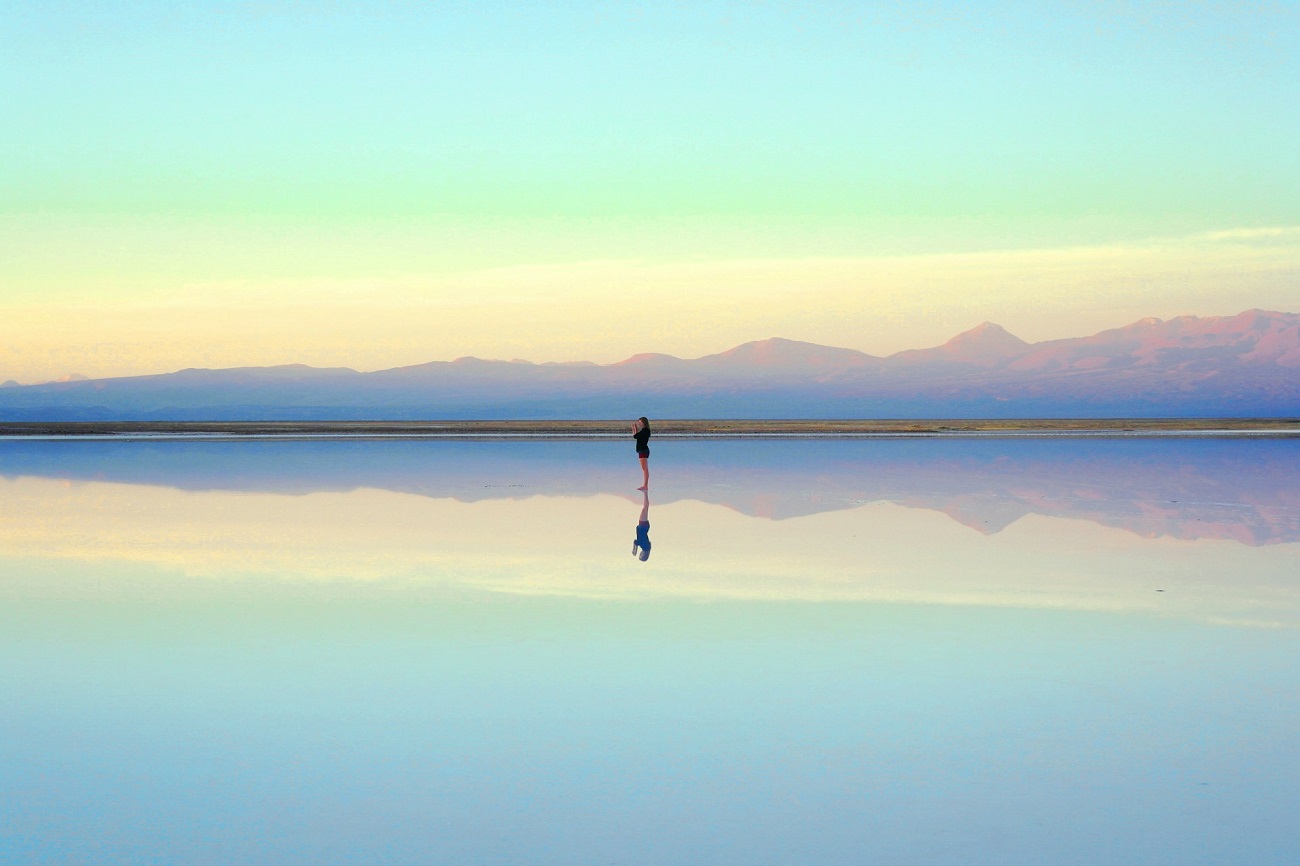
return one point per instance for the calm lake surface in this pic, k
(939, 651)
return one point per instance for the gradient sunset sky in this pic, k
(378, 184)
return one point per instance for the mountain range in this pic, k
(1246, 365)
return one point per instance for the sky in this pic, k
(378, 184)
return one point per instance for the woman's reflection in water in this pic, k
(643, 530)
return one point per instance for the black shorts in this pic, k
(643, 452)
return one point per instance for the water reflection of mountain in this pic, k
(1244, 490)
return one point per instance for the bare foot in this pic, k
(643, 487)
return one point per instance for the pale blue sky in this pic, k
(1150, 113)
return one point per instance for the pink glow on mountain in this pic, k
(647, 358)
(985, 345)
(1255, 336)
(779, 352)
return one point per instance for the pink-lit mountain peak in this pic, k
(985, 345)
(780, 352)
(985, 341)
(647, 359)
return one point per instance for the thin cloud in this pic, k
(1268, 232)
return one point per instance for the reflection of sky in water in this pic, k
(443, 652)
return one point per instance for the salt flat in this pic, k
(726, 428)
(1017, 649)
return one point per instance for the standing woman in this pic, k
(641, 430)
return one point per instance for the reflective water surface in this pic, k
(890, 651)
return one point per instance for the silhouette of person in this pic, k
(642, 540)
(641, 430)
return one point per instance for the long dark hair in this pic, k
(645, 423)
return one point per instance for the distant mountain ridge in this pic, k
(1225, 366)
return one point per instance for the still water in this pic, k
(892, 651)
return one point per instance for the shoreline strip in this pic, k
(663, 429)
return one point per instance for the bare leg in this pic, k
(645, 471)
